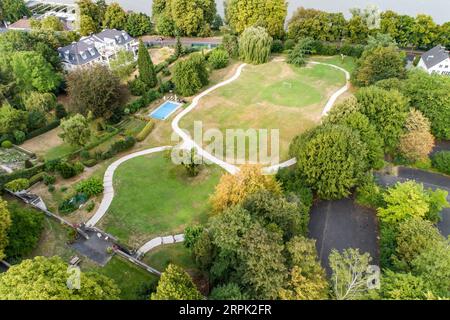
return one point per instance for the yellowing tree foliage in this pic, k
(234, 189)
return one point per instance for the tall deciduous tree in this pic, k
(270, 14)
(13, 10)
(386, 110)
(176, 284)
(330, 159)
(94, 89)
(193, 17)
(417, 142)
(75, 130)
(115, 17)
(87, 25)
(147, 72)
(255, 45)
(46, 279)
(190, 75)
(350, 277)
(138, 24)
(234, 189)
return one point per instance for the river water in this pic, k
(438, 9)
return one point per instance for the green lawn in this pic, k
(153, 197)
(274, 95)
(348, 63)
(162, 256)
(134, 282)
(60, 151)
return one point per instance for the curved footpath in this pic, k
(189, 143)
(108, 192)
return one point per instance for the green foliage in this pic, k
(277, 46)
(90, 187)
(94, 89)
(192, 17)
(347, 114)
(294, 187)
(330, 159)
(45, 279)
(5, 224)
(76, 130)
(66, 169)
(123, 65)
(229, 291)
(441, 161)
(386, 110)
(191, 235)
(49, 179)
(115, 17)
(165, 26)
(146, 68)
(379, 64)
(52, 23)
(87, 26)
(190, 75)
(218, 58)
(270, 14)
(255, 45)
(410, 199)
(7, 144)
(297, 56)
(370, 194)
(13, 10)
(349, 277)
(191, 162)
(231, 45)
(60, 111)
(25, 231)
(402, 286)
(175, 284)
(30, 71)
(141, 136)
(431, 95)
(138, 24)
(137, 87)
(18, 185)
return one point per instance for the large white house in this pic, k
(97, 48)
(436, 61)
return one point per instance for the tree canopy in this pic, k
(269, 14)
(5, 224)
(255, 45)
(46, 279)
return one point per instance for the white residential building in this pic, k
(97, 48)
(436, 61)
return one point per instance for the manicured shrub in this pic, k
(49, 179)
(79, 168)
(90, 187)
(60, 111)
(231, 45)
(289, 44)
(137, 87)
(190, 75)
(52, 165)
(90, 206)
(7, 144)
(37, 178)
(28, 164)
(66, 170)
(218, 58)
(277, 46)
(123, 144)
(441, 161)
(90, 162)
(85, 155)
(19, 136)
(52, 125)
(18, 185)
(145, 131)
(369, 194)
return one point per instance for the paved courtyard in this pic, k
(343, 224)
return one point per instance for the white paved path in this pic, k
(189, 143)
(108, 193)
(152, 244)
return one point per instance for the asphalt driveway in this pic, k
(343, 224)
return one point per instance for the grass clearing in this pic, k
(135, 283)
(269, 96)
(154, 197)
(162, 256)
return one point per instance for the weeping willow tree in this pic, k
(255, 45)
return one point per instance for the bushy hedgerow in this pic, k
(90, 187)
(441, 161)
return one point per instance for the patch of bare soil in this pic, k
(41, 144)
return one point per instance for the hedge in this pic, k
(145, 131)
(37, 178)
(441, 161)
(38, 132)
(20, 174)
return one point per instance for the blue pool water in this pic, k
(165, 110)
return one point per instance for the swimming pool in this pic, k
(165, 110)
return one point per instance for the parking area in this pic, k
(343, 224)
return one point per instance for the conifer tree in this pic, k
(147, 72)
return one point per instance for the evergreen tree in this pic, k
(147, 72)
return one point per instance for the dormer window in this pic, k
(83, 55)
(92, 51)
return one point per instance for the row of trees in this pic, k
(97, 15)
(185, 17)
(420, 32)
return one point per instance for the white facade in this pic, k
(443, 68)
